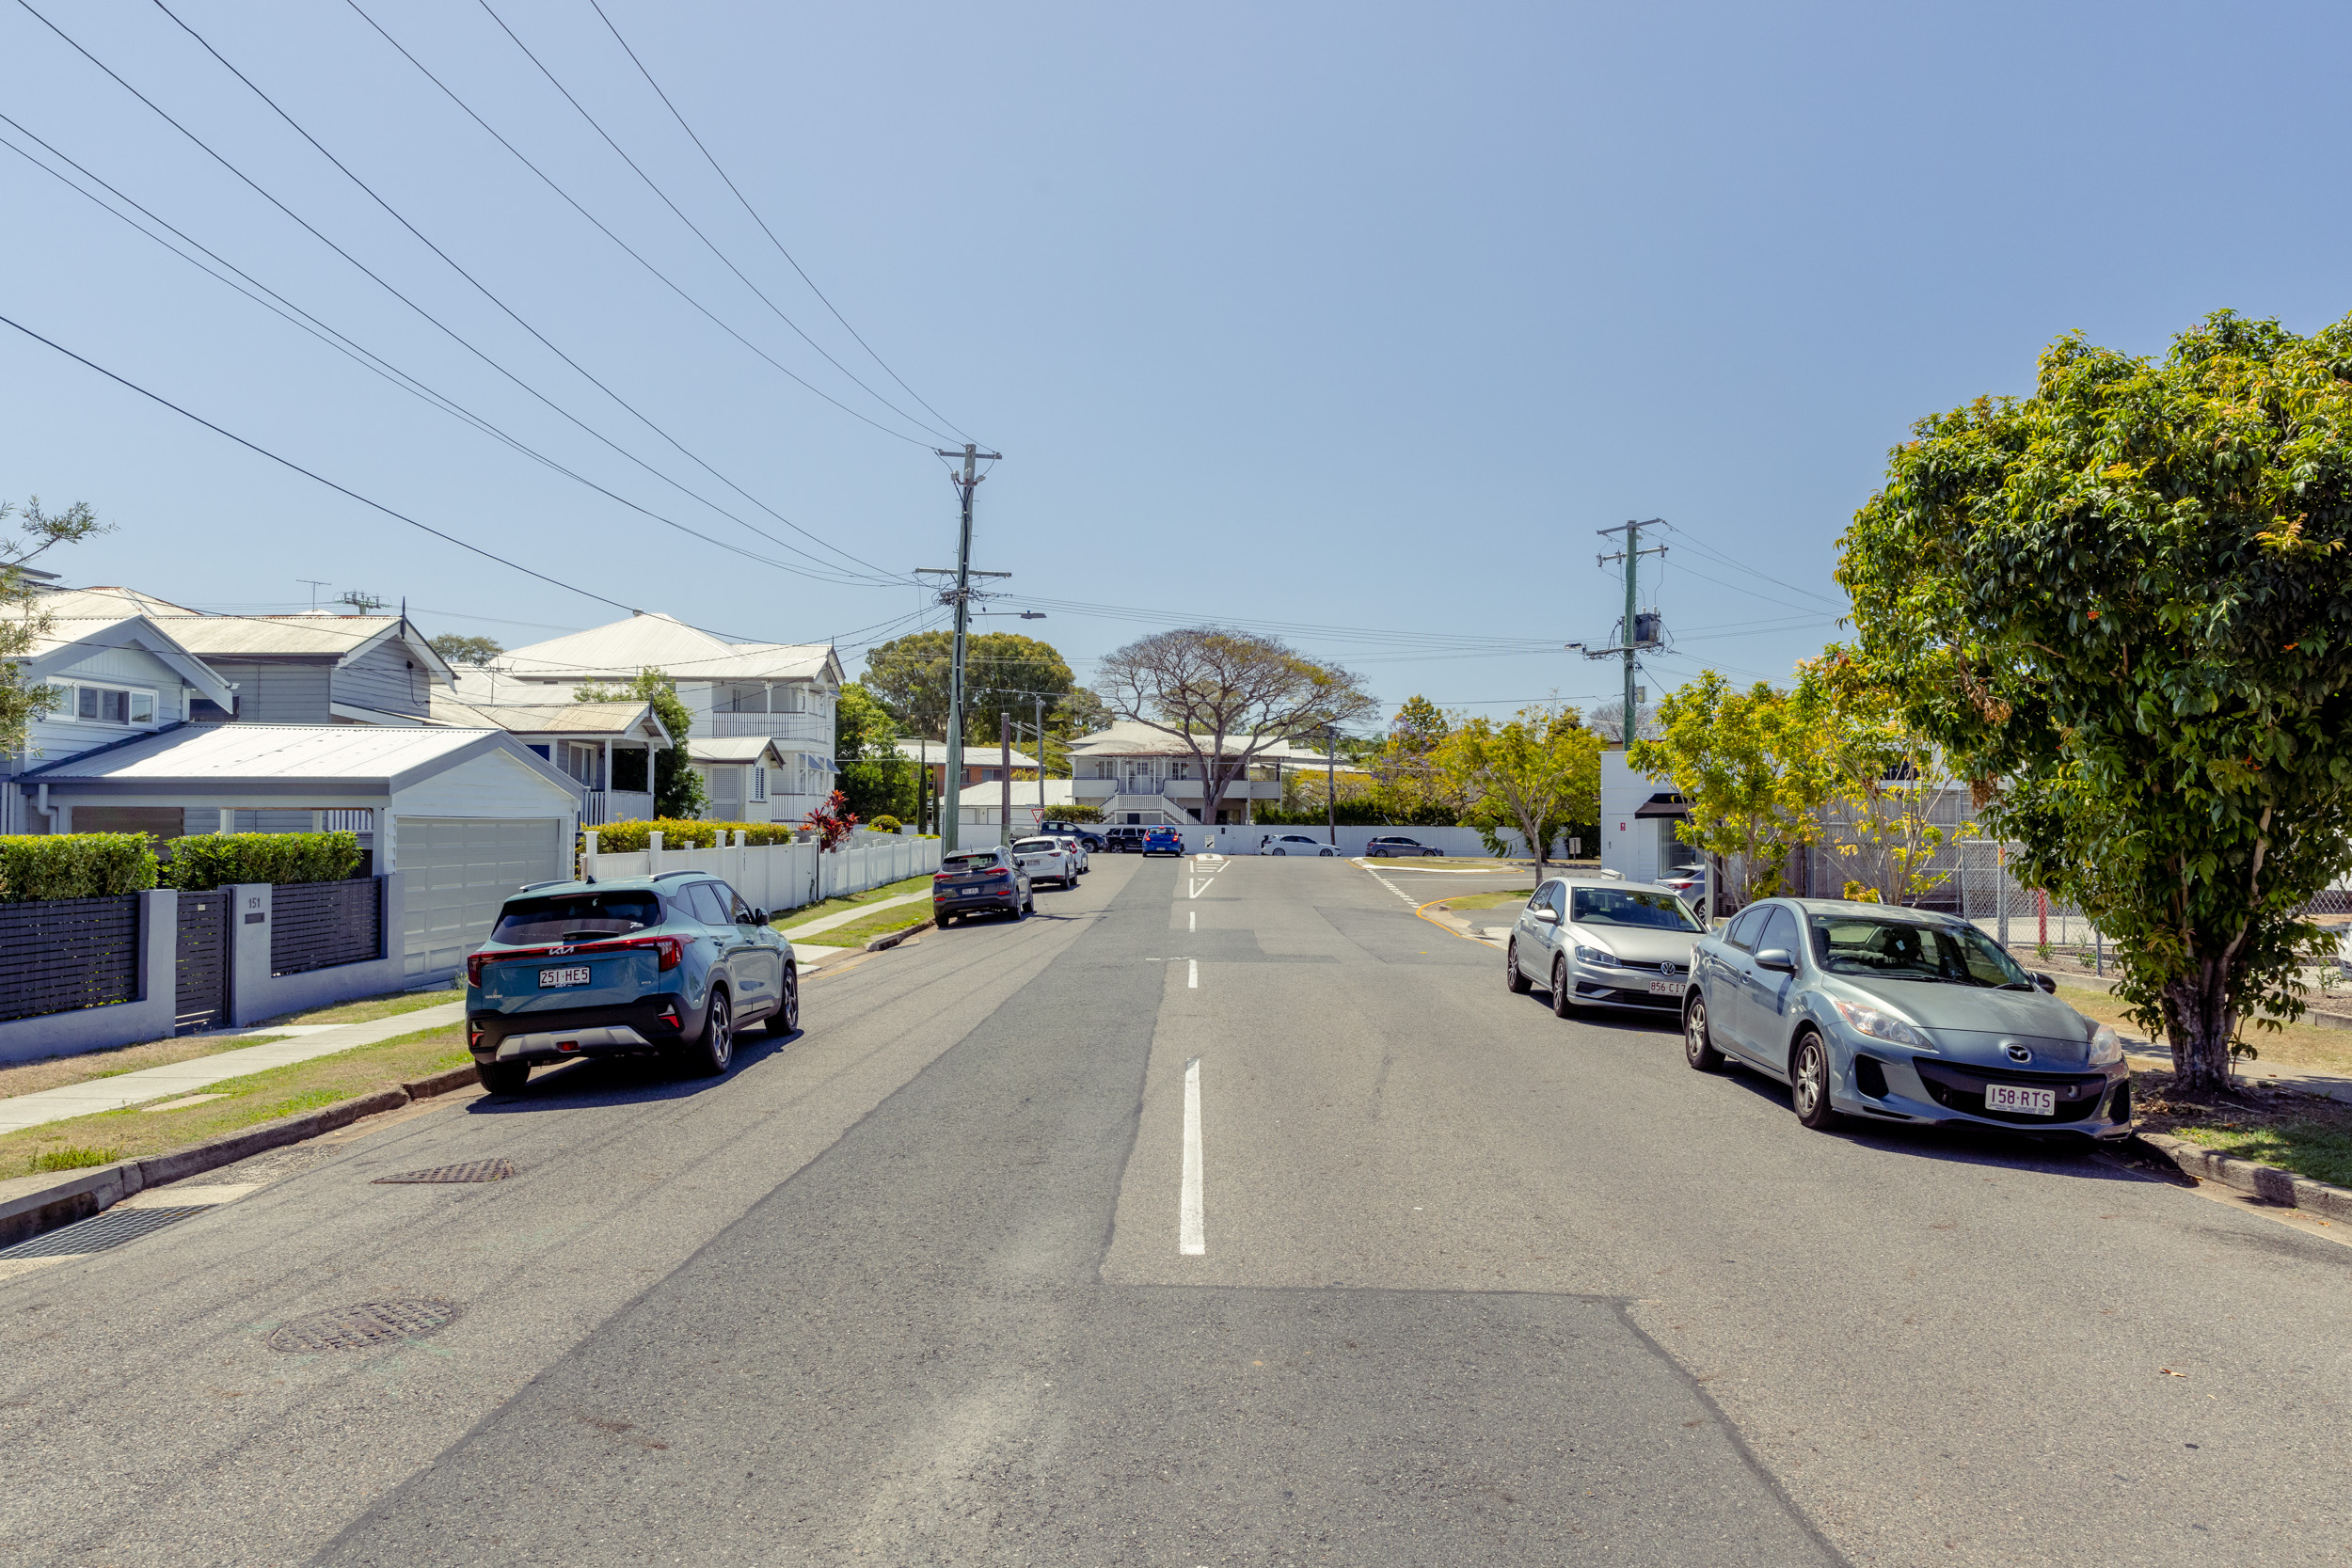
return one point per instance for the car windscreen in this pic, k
(576, 916)
(978, 859)
(1616, 905)
(1038, 845)
(1909, 950)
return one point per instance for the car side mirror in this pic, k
(2046, 982)
(1546, 915)
(1778, 959)
(759, 917)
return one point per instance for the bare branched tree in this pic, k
(1226, 697)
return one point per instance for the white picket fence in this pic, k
(779, 877)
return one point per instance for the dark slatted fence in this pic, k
(57, 955)
(320, 925)
(203, 988)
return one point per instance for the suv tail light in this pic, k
(668, 951)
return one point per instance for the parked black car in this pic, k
(1123, 841)
(1090, 836)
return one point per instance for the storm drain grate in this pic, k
(472, 1170)
(371, 1322)
(101, 1231)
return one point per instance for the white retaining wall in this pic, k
(779, 877)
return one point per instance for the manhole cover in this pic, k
(472, 1170)
(371, 1322)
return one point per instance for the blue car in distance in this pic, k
(1874, 1013)
(669, 965)
(1162, 841)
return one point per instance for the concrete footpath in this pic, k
(844, 917)
(192, 1077)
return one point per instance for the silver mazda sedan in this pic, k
(1886, 1014)
(1603, 944)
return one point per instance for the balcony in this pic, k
(800, 729)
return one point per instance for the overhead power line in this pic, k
(763, 222)
(424, 240)
(724, 260)
(454, 336)
(824, 571)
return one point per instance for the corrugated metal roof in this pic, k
(654, 641)
(731, 748)
(976, 754)
(226, 752)
(545, 717)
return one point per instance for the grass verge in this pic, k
(2306, 1134)
(824, 907)
(859, 932)
(1470, 901)
(53, 1072)
(2301, 1046)
(133, 1134)
(367, 1009)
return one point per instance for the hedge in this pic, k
(74, 865)
(627, 838)
(206, 860)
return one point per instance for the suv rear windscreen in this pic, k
(1038, 845)
(576, 916)
(966, 864)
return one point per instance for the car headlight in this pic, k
(1595, 956)
(2106, 1046)
(1881, 1026)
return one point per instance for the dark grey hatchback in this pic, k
(1898, 1015)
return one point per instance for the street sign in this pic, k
(1036, 814)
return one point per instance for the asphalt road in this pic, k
(1473, 1285)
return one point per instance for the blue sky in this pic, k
(1357, 320)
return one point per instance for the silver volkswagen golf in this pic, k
(1603, 944)
(1878, 1013)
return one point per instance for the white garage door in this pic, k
(456, 871)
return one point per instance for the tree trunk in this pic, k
(1534, 842)
(2199, 1021)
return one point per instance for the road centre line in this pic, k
(1192, 920)
(1192, 974)
(1192, 1236)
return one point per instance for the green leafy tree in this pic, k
(1751, 765)
(1002, 672)
(1538, 773)
(1883, 780)
(1228, 697)
(877, 781)
(678, 791)
(23, 623)
(1405, 783)
(2123, 604)
(459, 648)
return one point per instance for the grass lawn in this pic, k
(367, 1009)
(2302, 1046)
(835, 905)
(2302, 1133)
(129, 1133)
(51, 1072)
(1470, 901)
(856, 933)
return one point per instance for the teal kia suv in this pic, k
(669, 965)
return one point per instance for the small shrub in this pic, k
(886, 824)
(75, 1159)
(627, 838)
(206, 861)
(74, 865)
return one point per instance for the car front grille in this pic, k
(1961, 1089)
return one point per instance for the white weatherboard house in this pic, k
(116, 678)
(741, 778)
(466, 815)
(1638, 818)
(1138, 774)
(782, 691)
(607, 748)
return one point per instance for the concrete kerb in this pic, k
(895, 938)
(2267, 1182)
(31, 1205)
